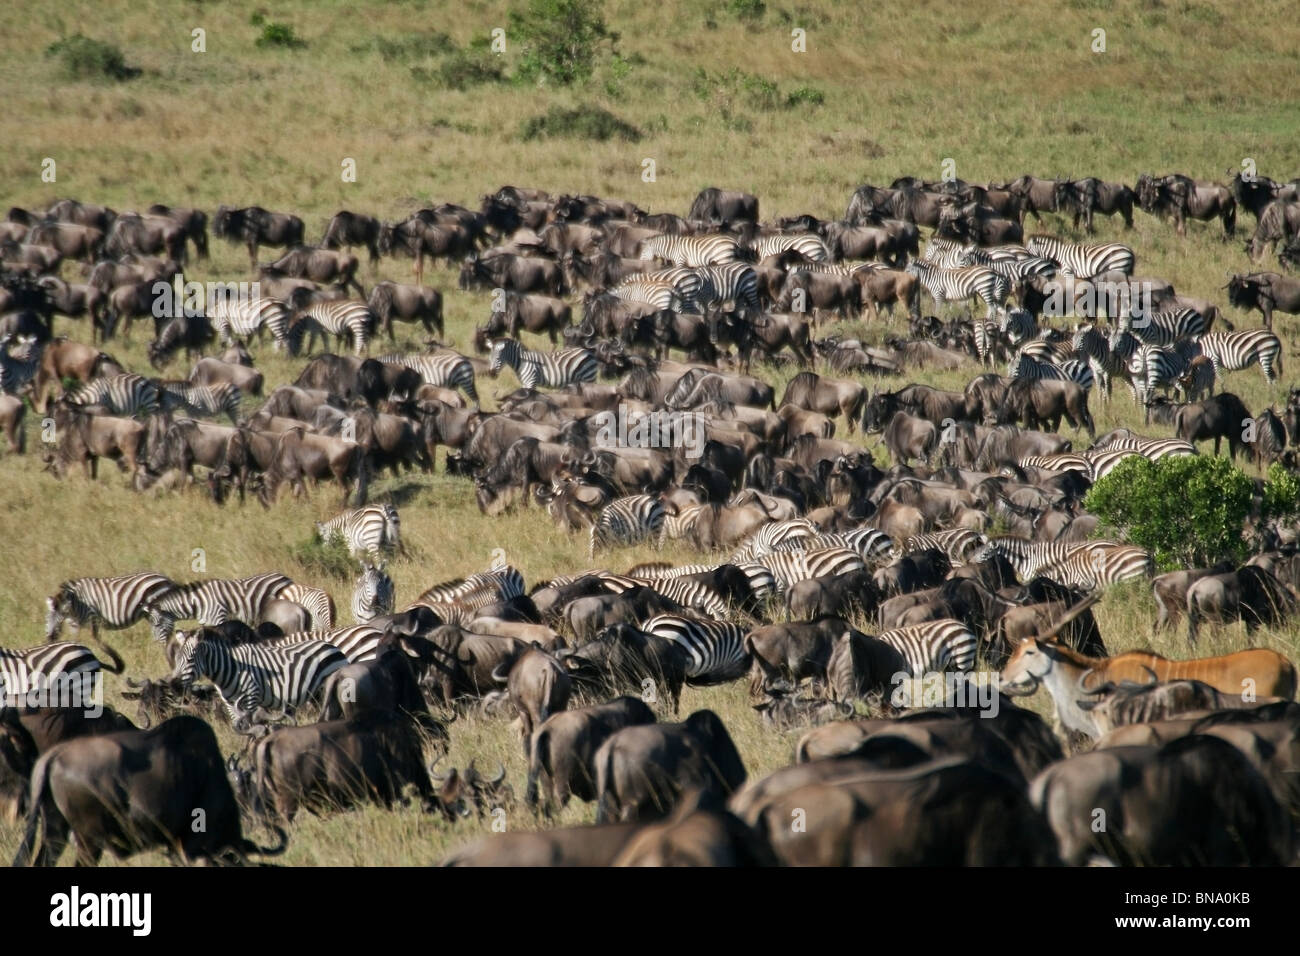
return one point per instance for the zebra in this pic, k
(113, 603)
(1016, 269)
(733, 282)
(810, 246)
(1106, 460)
(766, 539)
(944, 253)
(933, 647)
(477, 590)
(1096, 564)
(870, 543)
(1107, 357)
(127, 394)
(317, 602)
(343, 317)
(658, 293)
(692, 594)
(1197, 379)
(761, 582)
(694, 251)
(957, 285)
(18, 365)
(443, 369)
(373, 594)
(202, 400)
(790, 567)
(1028, 557)
(373, 530)
(277, 675)
(1018, 325)
(1061, 462)
(957, 543)
(990, 344)
(547, 369)
(1072, 370)
(233, 317)
(1155, 367)
(53, 666)
(1083, 260)
(215, 601)
(1233, 351)
(715, 649)
(1164, 328)
(626, 521)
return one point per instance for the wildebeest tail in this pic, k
(36, 811)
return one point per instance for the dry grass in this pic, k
(1000, 90)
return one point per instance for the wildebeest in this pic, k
(1249, 594)
(564, 747)
(134, 790)
(318, 265)
(1181, 197)
(1267, 292)
(538, 686)
(641, 771)
(722, 207)
(390, 300)
(352, 229)
(255, 226)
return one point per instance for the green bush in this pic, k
(559, 40)
(465, 68)
(1188, 511)
(84, 58)
(584, 122)
(325, 558)
(747, 9)
(281, 35)
(805, 95)
(1281, 494)
(411, 46)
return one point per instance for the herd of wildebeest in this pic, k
(928, 594)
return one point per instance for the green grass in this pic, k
(1000, 90)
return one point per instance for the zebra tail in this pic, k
(249, 848)
(35, 813)
(118, 665)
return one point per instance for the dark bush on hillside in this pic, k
(584, 122)
(84, 58)
(280, 35)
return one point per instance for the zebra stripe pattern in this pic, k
(1107, 357)
(1083, 260)
(806, 244)
(547, 369)
(657, 293)
(38, 668)
(1095, 565)
(870, 543)
(444, 369)
(958, 285)
(18, 365)
(1154, 367)
(127, 394)
(477, 590)
(215, 602)
(207, 401)
(275, 676)
(693, 251)
(792, 566)
(1233, 351)
(358, 642)
(691, 594)
(1164, 328)
(1015, 269)
(1018, 325)
(317, 602)
(113, 603)
(626, 521)
(767, 538)
(934, 647)
(233, 317)
(1027, 367)
(373, 594)
(957, 543)
(342, 318)
(373, 530)
(733, 282)
(716, 649)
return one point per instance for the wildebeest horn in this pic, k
(434, 775)
(1155, 678)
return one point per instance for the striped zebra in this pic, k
(1164, 328)
(732, 282)
(762, 584)
(317, 602)
(1108, 357)
(1015, 269)
(1083, 260)
(60, 667)
(374, 530)
(790, 567)
(1153, 448)
(1017, 325)
(693, 251)
(807, 244)
(990, 343)
(112, 603)
(1107, 460)
(957, 543)
(626, 521)
(1153, 366)
(545, 369)
(958, 285)
(1233, 351)
(477, 590)
(1027, 367)
(275, 676)
(870, 543)
(944, 253)
(442, 369)
(235, 318)
(658, 293)
(1029, 557)
(691, 594)
(342, 318)
(215, 601)
(127, 394)
(1065, 461)
(1197, 379)
(766, 539)
(19, 363)
(933, 647)
(715, 649)
(357, 642)
(204, 401)
(373, 594)
(1095, 565)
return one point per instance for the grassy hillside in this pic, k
(719, 100)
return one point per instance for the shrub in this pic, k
(1188, 511)
(1281, 494)
(466, 68)
(559, 40)
(584, 122)
(325, 558)
(84, 58)
(805, 95)
(413, 46)
(281, 35)
(747, 9)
